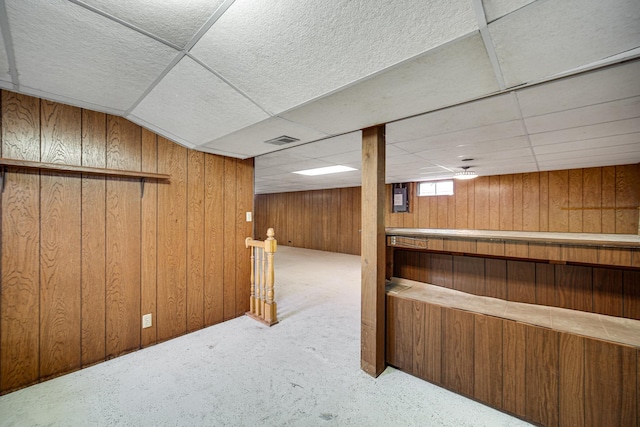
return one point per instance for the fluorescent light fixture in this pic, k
(325, 171)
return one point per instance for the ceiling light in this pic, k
(325, 170)
(465, 174)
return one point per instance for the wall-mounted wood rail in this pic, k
(84, 170)
(262, 305)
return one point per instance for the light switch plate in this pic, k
(146, 321)
(248, 216)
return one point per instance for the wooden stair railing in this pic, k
(262, 305)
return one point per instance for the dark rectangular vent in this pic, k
(282, 140)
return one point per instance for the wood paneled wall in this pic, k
(326, 220)
(84, 257)
(593, 200)
(604, 290)
(548, 377)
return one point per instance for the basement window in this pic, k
(436, 188)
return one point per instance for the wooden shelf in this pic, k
(81, 169)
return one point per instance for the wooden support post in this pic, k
(270, 246)
(372, 336)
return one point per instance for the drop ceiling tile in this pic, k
(599, 113)
(595, 87)
(194, 103)
(277, 158)
(435, 80)
(591, 161)
(250, 141)
(495, 109)
(346, 159)
(549, 37)
(82, 55)
(494, 9)
(589, 152)
(295, 42)
(585, 144)
(332, 146)
(476, 150)
(4, 62)
(175, 22)
(599, 130)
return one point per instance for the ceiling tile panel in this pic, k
(595, 87)
(435, 80)
(549, 37)
(591, 152)
(82, 55)
(332, 44)
(250, 141)
(591, 161)
(584, 116)
(194, 103)
(4, 62)
(494, 9)
(585, 144)
(599, 130)
(495, 109)
(174, 21)
(332, 146)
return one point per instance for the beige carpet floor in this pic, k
(304, 371)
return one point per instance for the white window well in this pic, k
(436, 188)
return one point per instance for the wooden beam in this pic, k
(372, 337)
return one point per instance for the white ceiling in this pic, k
(517, 85)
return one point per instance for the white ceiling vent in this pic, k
(282, 140)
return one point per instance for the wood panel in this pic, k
(230, 237)
(545, 284)
(244, 229)
(172, 248)
(418, 335)
(627, 198)
(514, 356)
(575, 200)
(592, 200)
(571, 380)
(610, 384)
(559, 201)
(482, 203)
(631, 292)
(20, 304)
(123, 239)
(433, 344)
(214, 240)
(544, 201)
(60, 239)
(541, 376)
(607, 291)
(521, 279)
(195, 240)
(468, 275)
(488, 363)
(461, 206)
(149, 244)
(496, 278)
(574, 287)
(494, 203)
(404, 334)
(390, 332)
(441, 271)
(506, 202)
(531, 201)
(518, 202)
(457, 350)
(609, 199)
(94, 149)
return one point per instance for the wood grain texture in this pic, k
(514, 367)
(574, 287)
(458, 350)
(544, 201)
(518, 202)
(123, 318)
(575, 200)
(506, 202)
(441, 271)
(571, 380)
(468, 275)
(521, 279)
(531, 202)
(462, 204)
(245, 229)
(149, 243)
(214, 240)
(60, 241)
(609, 199)
(390, 330)
(418, 326)
(494, 203)
(195, 240)
(559, 201)
(404, 325)
(607, 291)
(631, 293)
(172, 248)
(610, 384)
(541, 384)
(93, 302)
(627, 195)
(496, 278)
(230, 237)
(19, 322)
(592, 198)
(488, 363)
(482, 203)
(545, 284)
(433, 344)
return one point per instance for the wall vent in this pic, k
(282, 140)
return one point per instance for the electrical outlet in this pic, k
(248, 216)
(146, 321)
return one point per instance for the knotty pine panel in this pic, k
(93, 303)
(244, 177)
(592, 200)
(172, 242)
(60, 239)
(149, 244)
(488, 364)
(506, 202)
(609, 199)
(123, 318)
(531, 201)
(541, 375)
(610, 384)
(514, 367)
(230, 237)
(571, 380)
(574, 287)
(195, 240)
(575, 200)
(457, 350)
(214, 240)
(20, 304)
(521, 279)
